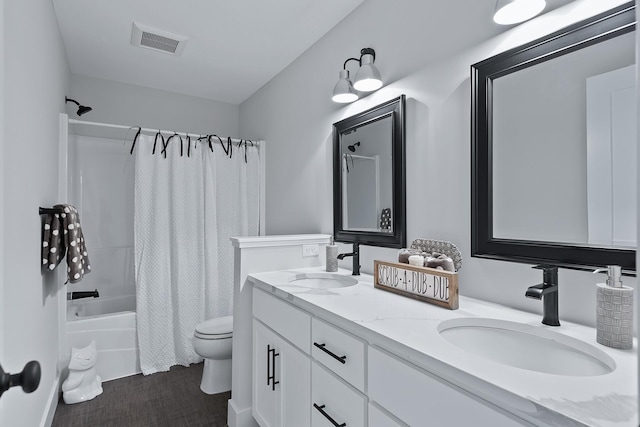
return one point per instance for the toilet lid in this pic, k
(219, 327)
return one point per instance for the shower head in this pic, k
(81, 108)
(352, 148)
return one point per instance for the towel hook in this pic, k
(50, 211)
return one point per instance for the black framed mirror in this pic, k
(543, 163)
(369, 176)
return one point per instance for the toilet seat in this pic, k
(218, 328)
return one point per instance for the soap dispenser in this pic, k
(332, 256)
(614, 310)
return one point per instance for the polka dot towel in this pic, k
(62, 233)
(385, 219)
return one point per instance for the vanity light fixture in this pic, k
(515, 11)
(367, 78)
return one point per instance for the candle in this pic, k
(417, 260)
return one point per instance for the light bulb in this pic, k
(514, 11)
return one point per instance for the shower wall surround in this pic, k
(100, 185)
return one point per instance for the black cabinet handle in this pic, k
(271, 367)
(327, 416)
(340, 359)
(269, 377)
(273, 364)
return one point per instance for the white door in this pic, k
(281, 381)
(266, 407)
(296, 386)
(361, 192)
(612, 158)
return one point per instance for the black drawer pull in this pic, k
(327, 416)
(340, 359)
(268, 365)
(273, 364)
(271, 367)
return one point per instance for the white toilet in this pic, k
(212, 340)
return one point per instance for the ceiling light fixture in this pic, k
(515, 11)
(367, 78)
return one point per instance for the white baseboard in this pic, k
(239, 418)
(52, 404)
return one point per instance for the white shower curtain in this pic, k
(186, 209)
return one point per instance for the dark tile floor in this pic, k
(167, 399)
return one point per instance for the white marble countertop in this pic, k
(409, 329)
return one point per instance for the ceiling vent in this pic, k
(153, 38)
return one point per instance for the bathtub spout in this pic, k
(82, 294)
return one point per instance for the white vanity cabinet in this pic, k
(309, 372)
(421, 399)
(281, 377)
(373, 358)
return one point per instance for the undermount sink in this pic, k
(533, 348)
(322, 280)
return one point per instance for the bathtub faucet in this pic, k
(82, 294)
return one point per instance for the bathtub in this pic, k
(115, 333)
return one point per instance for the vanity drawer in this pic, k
(288, 321)
(419, 398)
(378, 418)
(332, 399)
(332, 346)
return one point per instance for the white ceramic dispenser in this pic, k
(614, 310)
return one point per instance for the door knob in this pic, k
(28, 379)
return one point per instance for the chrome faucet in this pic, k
(547, 291)
(356, 258)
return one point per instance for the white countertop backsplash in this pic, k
(409, 329)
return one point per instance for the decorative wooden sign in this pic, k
(430, 285)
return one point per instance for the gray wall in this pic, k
(125, 104)
(432, 69)
(35, 82)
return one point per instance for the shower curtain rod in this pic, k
(167, 132)
(358, 156)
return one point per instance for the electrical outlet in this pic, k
(310, 250)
